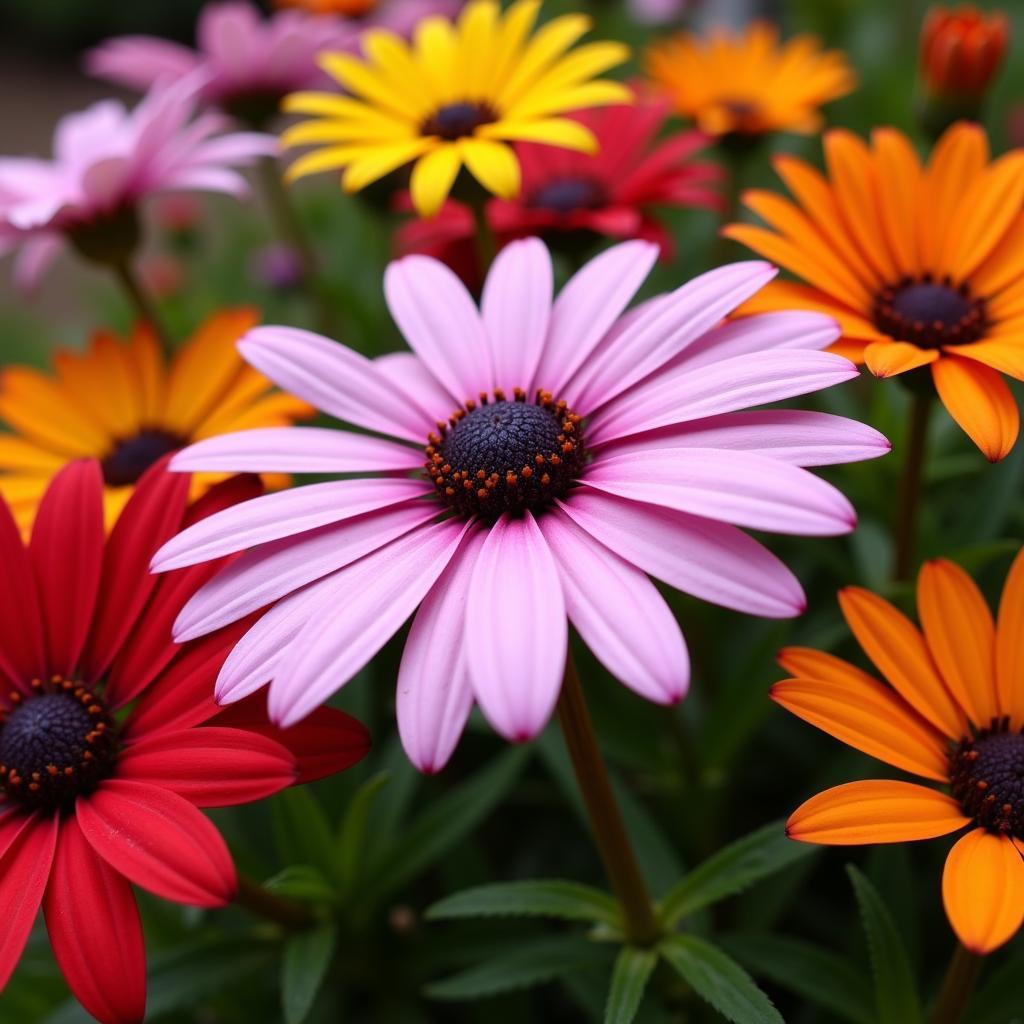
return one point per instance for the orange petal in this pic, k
(875, 811)
(900, 195)
(1004, 265)
(980, 402)
(888, 358)
(1005, 356)
(961, 635)
(983, 890)
(897, 648)
(1010, 644)
(868, 716)
(957, 159)
(814, 664)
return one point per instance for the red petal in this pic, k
(183, 696)
(95, 931)
(212, 767)
(22, 656)
(229, 492)
(24, 870)
(159, 841)
(152, 516)
(323, 743)
(67, 556)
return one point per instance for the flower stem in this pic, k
(620, 864)
(142, 302)
(486, 243)
(958, 986)
(908, 515)
(263, 903)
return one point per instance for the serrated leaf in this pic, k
(732, 870)
(633, 968)
(569, 901)
(535, 964)
(719, 980)
(445, 823)
(896, 1000)
(820, 977)
(307, 956)
(302, 830)
(352, 831)
(303, 882)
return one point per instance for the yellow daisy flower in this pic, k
(748, 84)
(127, 405)
(457, 95)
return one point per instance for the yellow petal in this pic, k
(493, 164)
(371, 163)
(554, 131)
(433, 177)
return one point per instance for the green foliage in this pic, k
(307, 957)
(633, 969)
(568, 901)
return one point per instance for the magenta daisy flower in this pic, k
(540, 458)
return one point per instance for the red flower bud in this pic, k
(962, 49)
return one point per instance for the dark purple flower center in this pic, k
(987, 777)
(566, 195)
(458, 120)
(56, 743)
(930, 313)
(496, 455)
(132, 456)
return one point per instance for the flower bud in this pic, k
(961, 50)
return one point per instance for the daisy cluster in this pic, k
(566, 427)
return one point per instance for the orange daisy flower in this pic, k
(952, 713)
(748, 83)
(921, 265)
(128, 406)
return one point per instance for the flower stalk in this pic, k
(613, 843)
(261, 902)
(909, 510)
(142, 302)
(958, 987)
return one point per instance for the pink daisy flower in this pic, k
(106, 161)
(569, 450)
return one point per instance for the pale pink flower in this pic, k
(650, 466)
(106, 161)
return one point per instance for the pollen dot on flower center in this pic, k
(500, 455)
(132, 456)
(56, 742)
(987, 777)
(458, 120)
(930, 313)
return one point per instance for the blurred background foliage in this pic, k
(380, 844)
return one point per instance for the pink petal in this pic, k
(516, 307)
(743, 489)
(410, 377)
(682, 394)
(588, 306)
(516, 632)
(375, 596)
(296, 450)
(140, 61)
(434, 696)
(710, 560)
(619, 613)
(262, 576)
(282, 514)
(441, 323)
(796, 436)
(335, 379)
(669, 325)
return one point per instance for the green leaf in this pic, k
(306, 959)
(719, 980)
(632, 971)
(896, 1000)
(732, 870)
(814, 974)
(531, 965)
(302, 882)
(998, 1001)
(569, 901)
(302, 830)
(445, 823)
(352, 832)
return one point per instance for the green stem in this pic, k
(909, 510)
(142, 302)
(613, 843)
(486, 243)
(262, 903)
(957, 988)
(734, 163)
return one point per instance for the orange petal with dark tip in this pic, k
(980, 402)
(1010, 644)
(812, 664)
(875, 811)
(983, 890)
(961, 635)
(889, 358)
(870, 717)
(899, 651)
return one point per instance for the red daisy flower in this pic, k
(573, 199)
(94, 797)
